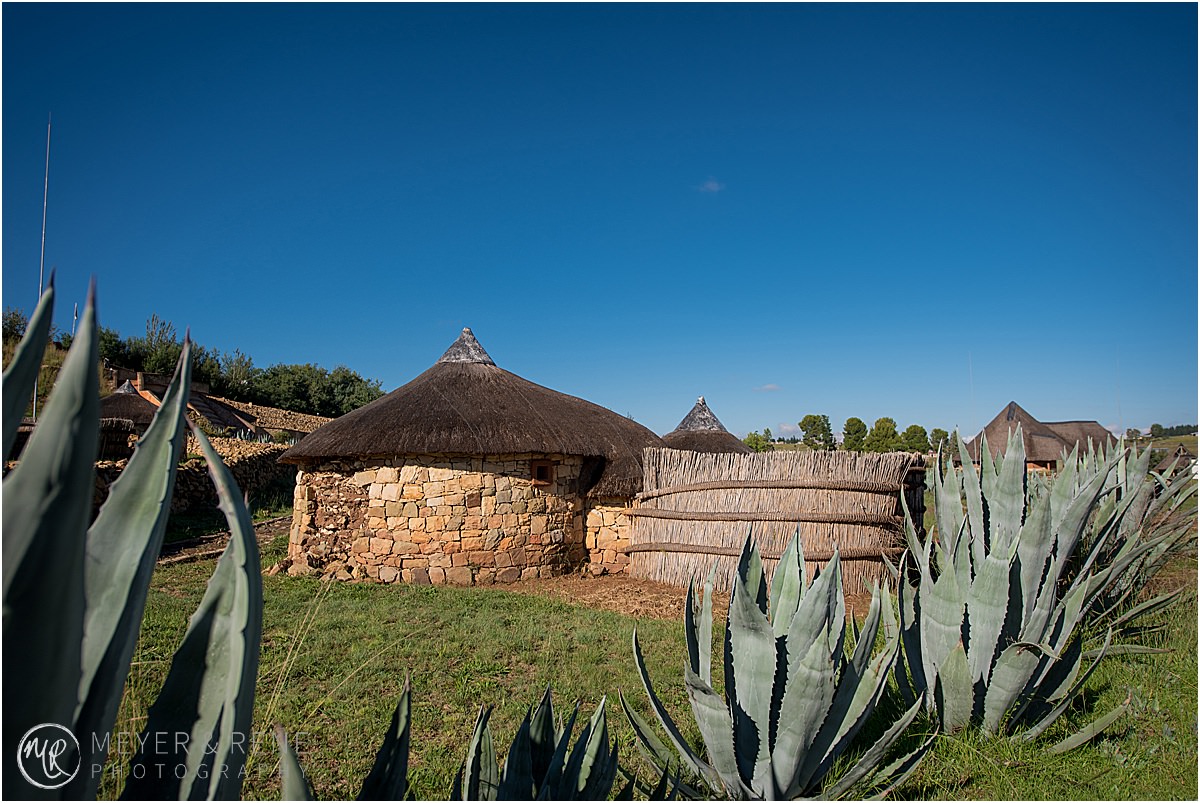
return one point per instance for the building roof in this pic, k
(1079, 432)
(125, 402)
(701, 431)
(465, 404)
(1042, 444)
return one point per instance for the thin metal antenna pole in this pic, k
(45, 195)
(42, 261)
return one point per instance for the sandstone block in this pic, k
(459, 576)
(508, 575)
(437, 576)
(363, 478)
(387, 475)
(388, 574)
(420, 577)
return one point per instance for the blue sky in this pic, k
(920, 212)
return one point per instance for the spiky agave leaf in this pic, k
(22, 374)
(123, 544)
(388, 779)
(211, 706)
(47, 504)
(295, 785)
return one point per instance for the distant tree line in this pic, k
(306, 388)
(883, 436)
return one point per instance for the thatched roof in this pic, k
(125, 402)
(1180, 457)
(1078, 432)
(1042, 444)
(465, 404)
(701, 431)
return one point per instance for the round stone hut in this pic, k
(701, 431)
(468, 474)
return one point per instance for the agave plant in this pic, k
(992, 628)
(795, 699)
(539, 764)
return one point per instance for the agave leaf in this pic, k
(1149, 607)
(954, 690)
(1074, 521)
(750, 687)
(543, 739)
(865, 640)
(896, 773)
(706, 626)
(787, 586)
(388, 779)
(122, 547)
(655, 749)
(590, 778)
(690, 759)
(852, 706)
(1035, 546)
(972, 493)
(942, 621)
(874, 755)
(552, 782)
(1057, 710)
(213, 707)
(1008, 681)
(1090, 731)
(986, 608)
(691, 628)
(47, 503)
(481, 775)
(295, 785)
(516, 781)
(1005, 494)
(807, 700)
(716, 728)
(750, 571)
(21, 377)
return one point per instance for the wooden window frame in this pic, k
(535, 466)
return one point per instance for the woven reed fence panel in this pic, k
(696, 509)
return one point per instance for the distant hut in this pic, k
(701, 431)
(467, 474)
(125, 402)
(1180, 458)
(1044, 442)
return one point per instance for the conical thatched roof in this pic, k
(701, 431)
(465, 404)
(125, 402)
(1042, 444)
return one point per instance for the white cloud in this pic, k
(767, 388)
(712, 185)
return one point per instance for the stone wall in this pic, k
(254, 467)
(438, 519)
(606, 535)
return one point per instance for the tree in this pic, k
(15, 323)
(914, 439)
(1133, 433)
(938, 437)
(883, 437)
(854, 434)
(1156, 430)
(767, 434)
(757, 442)
(817, 432)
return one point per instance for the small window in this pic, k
(541, 472)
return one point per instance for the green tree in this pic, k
(757, 442)
(938, 437)
(1133, 433)
(818, 434)
(914, 439)
(854, 435)
(15, 322)
(883, 437)
(1156, 430)
(767, 434)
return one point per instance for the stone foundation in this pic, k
(440, 519)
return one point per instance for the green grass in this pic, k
(335, 656)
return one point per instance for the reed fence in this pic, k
(696, 509)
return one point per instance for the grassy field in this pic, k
(335, 656)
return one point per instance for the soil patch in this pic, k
(637, 598)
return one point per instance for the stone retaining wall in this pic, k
(438, 519)
(606, 535)
(254, 467)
